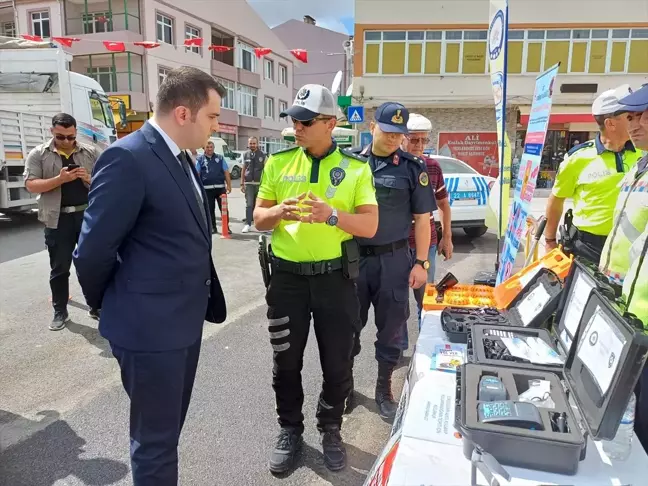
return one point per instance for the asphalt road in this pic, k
(64, 415)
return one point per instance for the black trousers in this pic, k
(333, 303)
(213, 199)
(60, 243)
(159, 385)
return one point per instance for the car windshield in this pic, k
(454, 166)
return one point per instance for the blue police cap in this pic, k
(637, 101)
(392, 118)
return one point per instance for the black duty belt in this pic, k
(382, 249)
(308, 269)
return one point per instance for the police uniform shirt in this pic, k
(590, 174)
(339, 178)
(402, 189)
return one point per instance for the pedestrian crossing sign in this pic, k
(356, 114)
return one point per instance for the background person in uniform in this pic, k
(314, 198)
(145, 253)
(419, 129)
(590, 174)
(59, 171)
(387, 266)
(253, 162)
(215, 176)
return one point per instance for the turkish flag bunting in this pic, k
(196, 42)
(220, 48)
(36, 38)
(300, 54)
(115, 46)
(66, 41)
(262, 51)
(147, 44)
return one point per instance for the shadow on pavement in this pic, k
(90, 334)
(50, 454)
(358, 462)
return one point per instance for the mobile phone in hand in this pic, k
(72, 167)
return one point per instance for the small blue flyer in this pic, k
(447, 357)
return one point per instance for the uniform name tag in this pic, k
(294, 178)
(594, 172)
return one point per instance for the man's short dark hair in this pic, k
(63, 120)
(253, 138)
(189, 87)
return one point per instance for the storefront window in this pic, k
(229, 138)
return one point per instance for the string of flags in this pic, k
(118, 46)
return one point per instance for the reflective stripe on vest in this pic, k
(635, 287)
(630, 220)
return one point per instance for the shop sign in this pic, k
(125, 98)
(477, 149)
(229, 129)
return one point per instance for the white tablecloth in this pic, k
(439, 459)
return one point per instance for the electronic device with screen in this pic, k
(491, 389)
(510, 414)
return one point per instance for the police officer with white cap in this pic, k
(590, 175)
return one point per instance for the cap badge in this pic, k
(397, 118)
(303, 94)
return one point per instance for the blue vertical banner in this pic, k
(529, 168)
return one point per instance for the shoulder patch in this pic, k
(424, 179)
(354, 154)
(284, 151)
(581, 146)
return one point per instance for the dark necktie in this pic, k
(188, 172)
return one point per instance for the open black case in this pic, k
(600, 372)
(531, 308)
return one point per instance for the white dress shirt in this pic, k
(175, 150)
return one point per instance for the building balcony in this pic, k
(96, 18)
(119, 74)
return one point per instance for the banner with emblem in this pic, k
(529, 168)
(497, 52)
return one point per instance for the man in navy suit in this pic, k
(144, 258)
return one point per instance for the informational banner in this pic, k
(477, 149)
(497, 52)
(529, 168)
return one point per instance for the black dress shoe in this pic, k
(94, 314)
(282, 457)
(333, 449)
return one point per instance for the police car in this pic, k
(468, 192)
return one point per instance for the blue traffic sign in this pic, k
(365, 138)
(355, 114)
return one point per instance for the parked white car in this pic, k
(468, 192)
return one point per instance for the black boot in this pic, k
(384, 399)
(333, 449)
(283, 456)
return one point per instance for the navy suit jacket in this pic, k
(144, 254)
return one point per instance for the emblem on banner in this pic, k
(496, 35)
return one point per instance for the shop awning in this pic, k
(561, 114)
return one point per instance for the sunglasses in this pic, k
(416, 141)
(70, 138)
(308, 123)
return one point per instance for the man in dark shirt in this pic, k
(215, 176)
(59, 171)
(253, 162)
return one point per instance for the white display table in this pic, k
(424, 450)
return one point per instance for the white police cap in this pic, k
(418, 123)
(608, 102)
(312, 100)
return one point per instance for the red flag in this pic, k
(262, 51)
(147, 44)
(66, 41)
(115, 46)
(36, 38)
(220, 48)
(300, 54)
(195, 42)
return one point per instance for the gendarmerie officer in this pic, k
(590, 174)
(388, 268)
(314, 198)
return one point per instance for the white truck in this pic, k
(35, 84)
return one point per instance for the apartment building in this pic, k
(327, 52)
(439, 67)
(258, 88)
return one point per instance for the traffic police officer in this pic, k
(590, 174)
(387, 267)
(314, 198)
(625, 259)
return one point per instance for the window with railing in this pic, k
(97, 22)
(465, 52)
(92, 17)
(247, 100)
(105, 76)
(221, 39)
(228, 100)
(9, 29)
